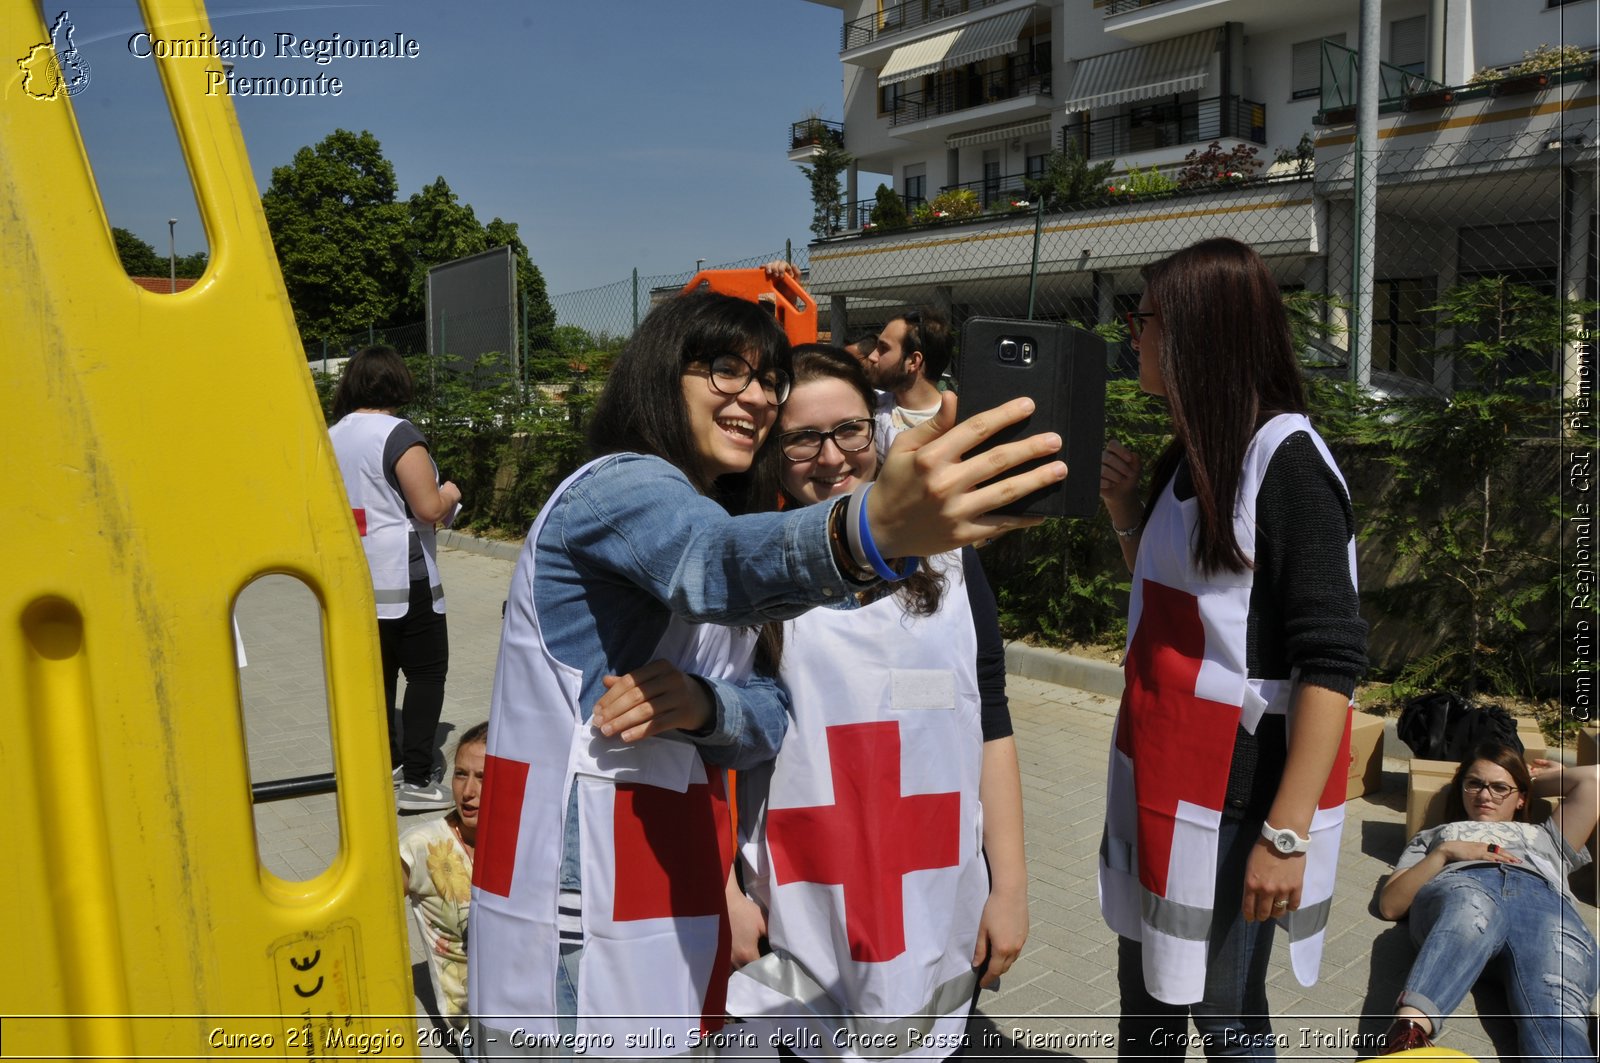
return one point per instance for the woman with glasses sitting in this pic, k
(897, 781)
(625, 677)
(1488, 891)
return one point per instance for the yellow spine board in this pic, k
(163, 452)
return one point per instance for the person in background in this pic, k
(906, 366)
(436, 866)
(1487, 891)
(1226, 775)
(397, 499)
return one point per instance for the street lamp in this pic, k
(698, 263)
(172, 251)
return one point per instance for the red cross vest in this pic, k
(655, 844)
(1187, 690)
(380, 513)
(865, 851)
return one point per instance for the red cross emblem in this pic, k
(673, 853)
(1181, 745)
(869, 839)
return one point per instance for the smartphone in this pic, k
(1063, 369)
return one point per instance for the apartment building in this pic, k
(975, 94)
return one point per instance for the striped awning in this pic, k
(987, 38)
(997, 133)
(1159, 69)
(971, 43)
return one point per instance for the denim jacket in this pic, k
(633, 543)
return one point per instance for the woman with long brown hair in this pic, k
(1226, 787)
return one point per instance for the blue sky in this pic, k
(616, 133)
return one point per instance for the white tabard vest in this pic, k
(655, 841)
(380, 513)
(1187, 689)
(866, 848)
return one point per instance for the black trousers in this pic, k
(417, 644)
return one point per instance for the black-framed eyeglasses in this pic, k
(1498, 790)
(851, 437)
(730, 375)
(1136, 321)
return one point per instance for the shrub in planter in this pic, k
(889, 212)
(956, 203)
(1216, 166)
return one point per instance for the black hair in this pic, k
(374, 378)
(642, 409)
(928, 331)
(1227, 363)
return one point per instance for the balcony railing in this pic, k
(1341, 76)
(857, 214)
(1147, 128)
(1020, 77)
(997, 192)
(906, 16)
(1114, 8)
(815, 131)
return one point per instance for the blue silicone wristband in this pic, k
(908, 565)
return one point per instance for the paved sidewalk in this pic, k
(1060, 999)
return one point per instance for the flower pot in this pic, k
(1430, 101)
(1521, 83)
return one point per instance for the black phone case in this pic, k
(1064, 372)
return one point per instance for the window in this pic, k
(991, 178)
(1402, 327)
(1408, 44)
(1036, 157)
(889, 98)
(1306, 68)
(916, 184)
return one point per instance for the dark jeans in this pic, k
(417, 644)
(1232, 1021)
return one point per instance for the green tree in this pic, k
(889, 211)
(193, 265)
(439, 229)
(1463, 469)
(538, 314)
(1069, 180)
(138, 258)
(340, 235)
(827, 201)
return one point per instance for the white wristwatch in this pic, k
(1284, 840)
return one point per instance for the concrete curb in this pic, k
(499, 549)
(1063, 669)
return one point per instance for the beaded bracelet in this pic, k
(862, 537)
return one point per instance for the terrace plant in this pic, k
(889, 211)
(1545, 58)
(1216, 165)
(1069, 180)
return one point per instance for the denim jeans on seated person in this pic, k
(1511, 923)
(1232, 1022)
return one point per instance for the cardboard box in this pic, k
(1534, 745)
(1588, 745)
(1366, 755)
(1425, 793)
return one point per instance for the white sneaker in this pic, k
(423, 798)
